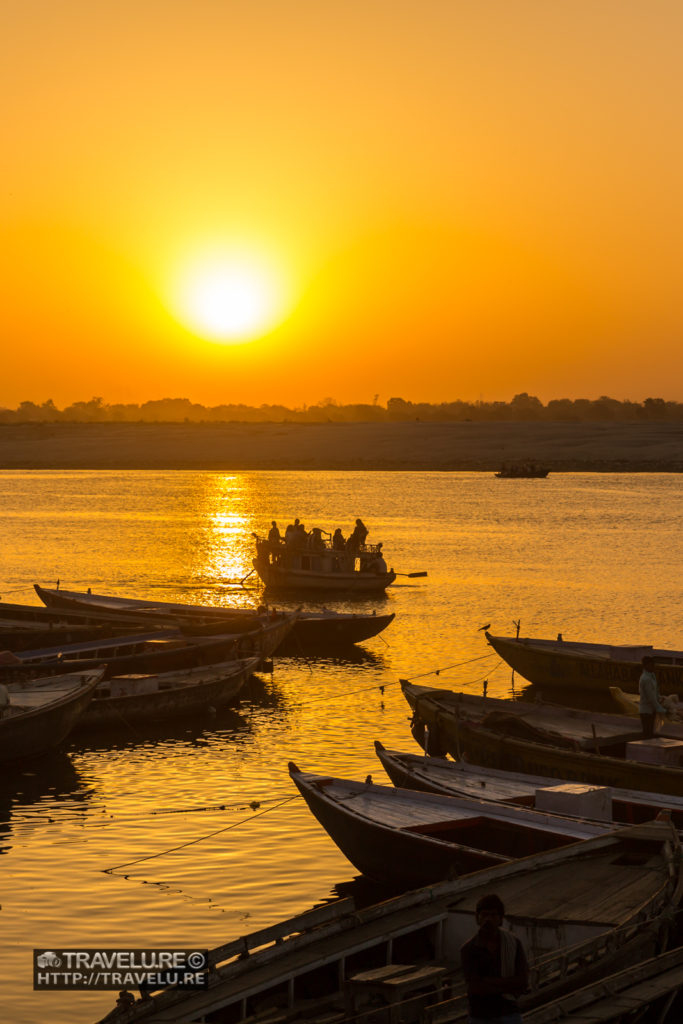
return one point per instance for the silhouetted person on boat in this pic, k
(291, 532)
(338, 540)
(274, 537)
(315, 540)
(650, 705)
(357, 538)
(495, 967)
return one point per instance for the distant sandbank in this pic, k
(629, 447)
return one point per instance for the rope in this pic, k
(382, 686)
(446, 668)
(191, 842)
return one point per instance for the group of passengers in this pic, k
(297, 539)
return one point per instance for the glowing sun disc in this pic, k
(230, 300)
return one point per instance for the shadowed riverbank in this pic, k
(629, 447)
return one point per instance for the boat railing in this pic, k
(321, 546)
(555, 969)
(277, 933)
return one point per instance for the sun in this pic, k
(232, 298)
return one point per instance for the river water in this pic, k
(151, 839)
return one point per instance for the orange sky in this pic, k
(458, 199)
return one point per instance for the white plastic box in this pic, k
(658, 750)
(576, 800)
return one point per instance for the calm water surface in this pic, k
(148, 840)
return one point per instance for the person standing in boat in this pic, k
(274, 538)
(650, 705)
(495, 967)
(358, 537)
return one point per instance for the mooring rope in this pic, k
(447, 668)
(200, 839)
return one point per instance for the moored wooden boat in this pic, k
(617, 996)
(591, 903)
(139, 698)
(161, 652)
(586, 666)
(325, 629)
(411, 838)
(515, 736)
(462, 778)
(37, 719)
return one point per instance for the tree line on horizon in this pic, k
(522, 408)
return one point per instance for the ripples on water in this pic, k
(99, 843)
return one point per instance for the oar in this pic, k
(410, 575)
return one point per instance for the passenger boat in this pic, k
(547, 740)
(579, 910)
(37, 719)
(410, 838)
(284, 567)
(586, 666)
(131, 699)
(321, 630)
(461, 778)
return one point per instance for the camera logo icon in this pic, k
(48, 959)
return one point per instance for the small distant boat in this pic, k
(461, 778)
(325, 629)
(586, 666)
(581, 911)
(522, 472)
(411, 838)
(37, 718)
(545, 739)
(286, 567)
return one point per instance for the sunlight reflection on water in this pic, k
(593, 557)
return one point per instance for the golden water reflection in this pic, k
(223, 546)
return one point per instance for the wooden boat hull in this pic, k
(462, 778)
(299, 580)
(40, 729)
(171, 695)
(170, 654)
(424, 838)
(311, 631)
(332, 631)
(589, 901)
(466, 738)
(573, 666)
